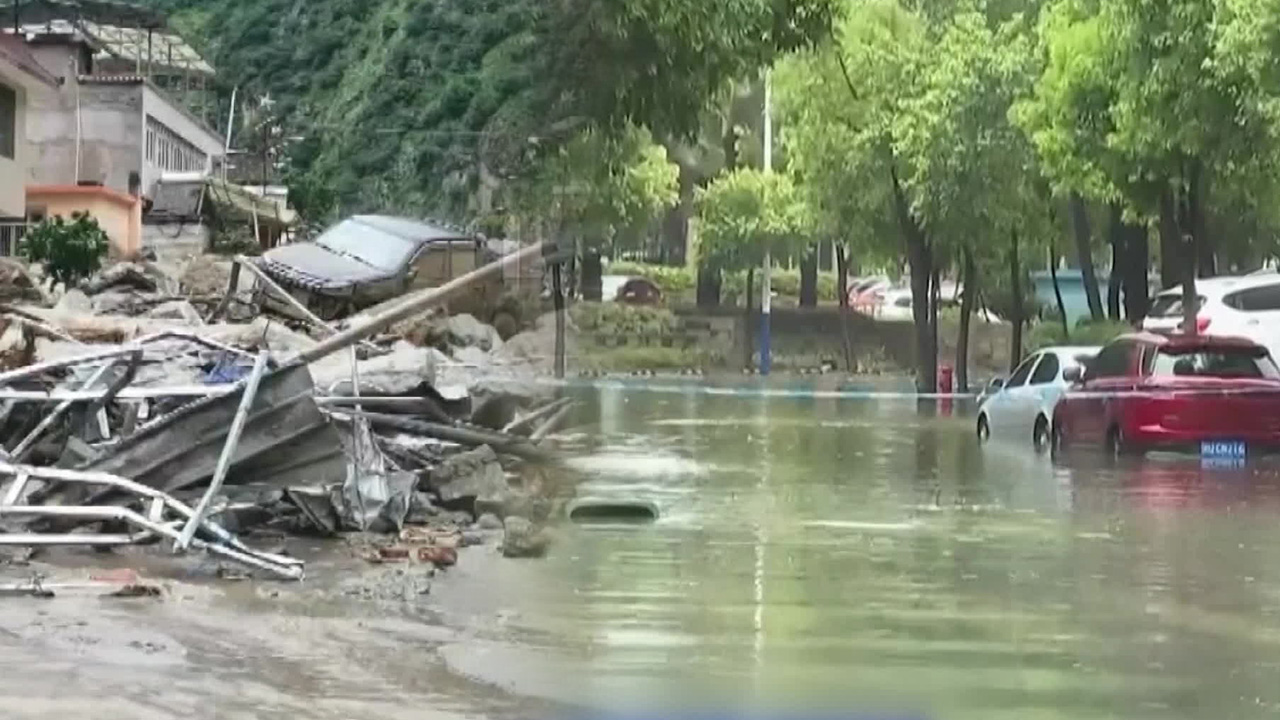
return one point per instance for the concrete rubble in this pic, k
(144, 408)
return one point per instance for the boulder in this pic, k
(17, 284)
(123, 275)
(74, 302)
(397, 373)
(176, 310)
(522, 539)
(119, 301)
(489, 521)
(14, 350)
(472, 478)
(466, 331)
(207, 275)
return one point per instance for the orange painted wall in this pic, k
(118, 214)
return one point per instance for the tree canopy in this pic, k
(749, 212)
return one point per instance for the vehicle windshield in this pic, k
(1215, 362)
(367, 245)
(1169, 306)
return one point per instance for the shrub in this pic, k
(1086, 332)
(678, 280)
(68, 251)
(672, 279)
(622, 319)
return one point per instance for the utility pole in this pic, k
(766, 281)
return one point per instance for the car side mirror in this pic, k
(1073, 374)
(996, 384)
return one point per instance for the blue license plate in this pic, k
(1223, 449)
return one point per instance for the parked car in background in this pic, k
(638, 291)
(1198, 393)
(1022, 408)
(863, 294)
(367, 259)
(1247, 306)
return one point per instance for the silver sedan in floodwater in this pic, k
(1021, 407)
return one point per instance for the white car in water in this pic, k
(1244, 306)
(1021, 408)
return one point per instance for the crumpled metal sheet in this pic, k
(286, 441)
(376, 495)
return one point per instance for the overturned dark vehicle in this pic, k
(367, 259)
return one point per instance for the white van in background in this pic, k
(1244, 306)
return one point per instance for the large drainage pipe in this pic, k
(595, 511)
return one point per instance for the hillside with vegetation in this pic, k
(965, 141)
(415, 106)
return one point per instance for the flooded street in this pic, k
(866, 552)
(815, 548)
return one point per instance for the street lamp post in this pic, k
(766, 281)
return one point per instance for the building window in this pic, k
(8, 122)
(170, 152)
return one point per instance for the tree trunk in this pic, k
(967, 301)
(1170, 241)
(748, 324)
(1084, 251)
(676, 223)
(709, 282)
(1206, 249)
(1015, 285)
(842, 275)
(935, 295)
(1136, 258)
(592, 275)
(920, 257)
(557, 292)
(809, 278)
(1116, 236)
(1181, 210)
(1057, 290)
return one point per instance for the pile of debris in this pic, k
(124, 420)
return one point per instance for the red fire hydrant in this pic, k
(946, 379)
(946, 386)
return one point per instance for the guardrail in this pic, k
(11, 231)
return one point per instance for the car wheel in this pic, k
(1040, 435)
(1057, 443)
(984, 430)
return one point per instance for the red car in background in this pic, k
(1218, 396)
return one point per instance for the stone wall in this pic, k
(175, 241)
(808, 337)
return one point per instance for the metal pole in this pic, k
(29, 441)
(766, 280)
(228, 451)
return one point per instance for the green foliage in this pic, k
(403, 105)
(1086, 332)
(234, 240)
(672, 280)
(604, 187)
(676, 281)
(622, 319)
(749, 212)
(68, 251)
(1135, 101)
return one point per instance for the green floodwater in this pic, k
(866, 553)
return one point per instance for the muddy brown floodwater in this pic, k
(817, 548)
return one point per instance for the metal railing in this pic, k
(11, 231)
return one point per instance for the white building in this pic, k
(22, 79)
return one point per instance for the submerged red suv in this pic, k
(1217, 396)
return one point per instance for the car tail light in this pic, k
(1202, 324)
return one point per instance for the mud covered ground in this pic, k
(353, 640)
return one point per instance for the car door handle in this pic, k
(1254, 321)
